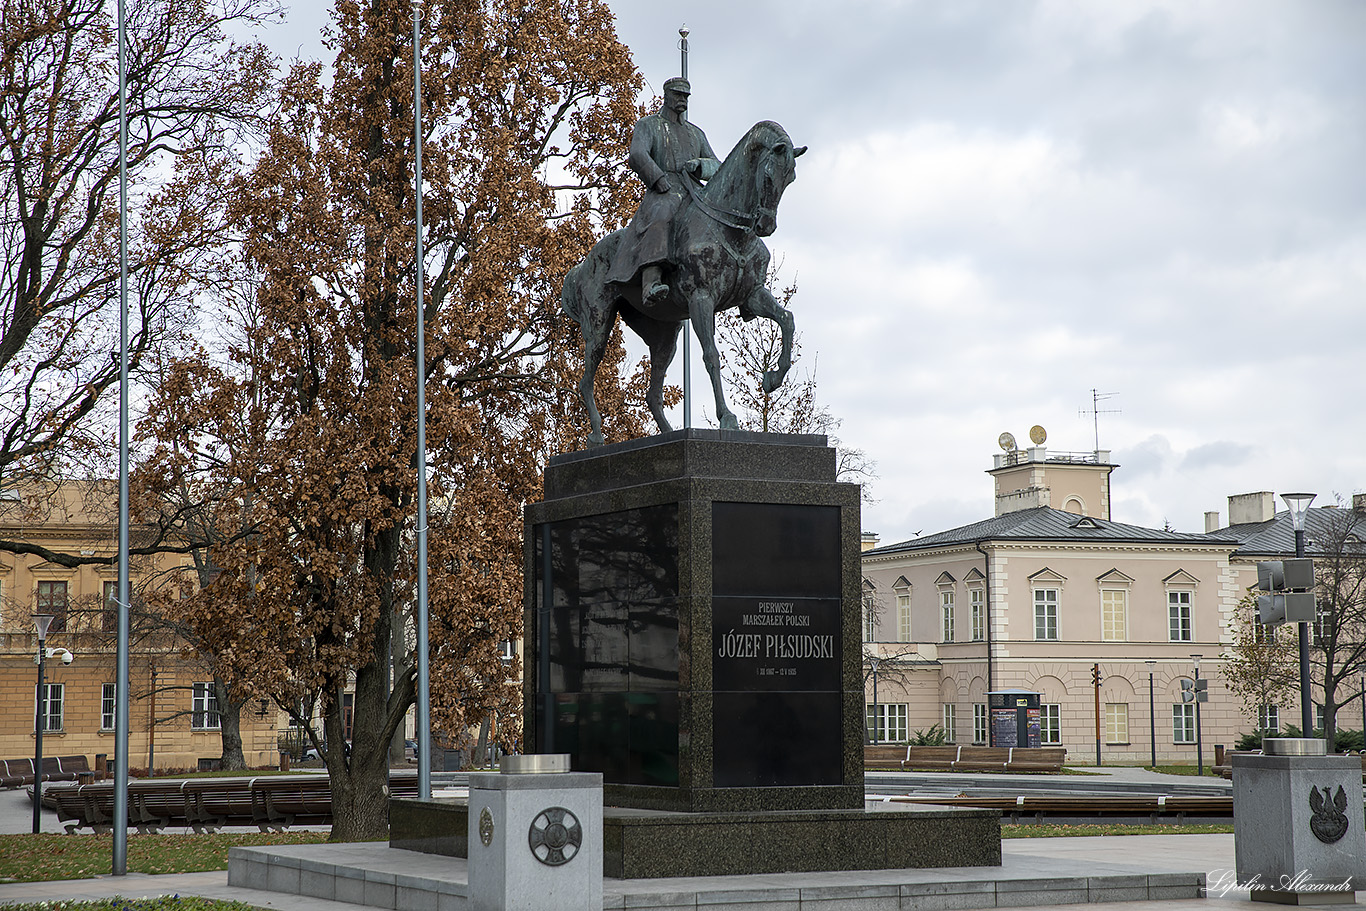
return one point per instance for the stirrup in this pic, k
(658, 293)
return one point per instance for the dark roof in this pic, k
(1276, 536)
(1044, 523)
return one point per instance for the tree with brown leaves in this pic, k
(527, 111)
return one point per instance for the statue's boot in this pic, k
(653, 291)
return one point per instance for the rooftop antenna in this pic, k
(1096, 411)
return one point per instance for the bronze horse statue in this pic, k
(719, 263)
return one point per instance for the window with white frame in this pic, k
(1179, 616)
(979, 722)
(1114, 614)
(204, 709)
(1263, 632)
(53, 705)
(1045, 613)
(1318, 718)
(903, 615)
(108, 697)
(1183, 722)
(869, 621)
(950, 724)
(946, 603)
(1050, 723)
(1116, 722)
(507, 650)
(977, 604)
(886, 722)
(1269, 719)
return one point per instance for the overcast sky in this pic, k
(1007, 204)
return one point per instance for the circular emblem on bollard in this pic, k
(555, 836)
(486, 827)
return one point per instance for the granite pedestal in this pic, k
(692, 633)
(692, 622)
(1298, 825)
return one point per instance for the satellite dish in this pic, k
(1006, 441)
(1038, 434)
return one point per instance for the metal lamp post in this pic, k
(1199, 745)
(41, 622)
(1298, 504)
(1152, 709)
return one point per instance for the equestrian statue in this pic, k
(691, 251)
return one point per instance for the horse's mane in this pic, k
(763, 134)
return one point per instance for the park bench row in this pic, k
(1155, 806)
(1225, 768)
(16, 773)
(965, 758)
(272, 803)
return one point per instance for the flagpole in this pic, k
(687, 335)
(120, 820)
(424, 707)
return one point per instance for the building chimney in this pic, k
(1211, 521)
(870, 540)
(1359, 502)
(1247, 508)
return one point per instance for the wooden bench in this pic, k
(965, 758)
(208, 804)
(16, 773)
(1225, 768)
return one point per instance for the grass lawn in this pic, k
(1100, 828)
(35, 858)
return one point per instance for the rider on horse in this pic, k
(666, 151)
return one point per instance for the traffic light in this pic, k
(1095, 675)
(1194, 690)
(1288, 587)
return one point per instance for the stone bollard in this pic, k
(1298, 823)
(535, 837)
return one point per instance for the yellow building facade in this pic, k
(173, 719)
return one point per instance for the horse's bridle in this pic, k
(738, 220)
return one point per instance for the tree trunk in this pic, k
(230, 726)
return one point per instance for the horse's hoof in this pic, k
(772, 380)
(728, 422)
(596, 439)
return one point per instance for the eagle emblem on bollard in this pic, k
(1329, 822)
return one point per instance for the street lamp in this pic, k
(1298, 504)
(1199, 745)
(1152, 709)
(41, 622)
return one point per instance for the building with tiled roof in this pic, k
(1036, 597)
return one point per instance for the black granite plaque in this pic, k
(775, 550)
(607, 691)
(776, 645)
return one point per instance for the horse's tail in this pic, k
(570, 299)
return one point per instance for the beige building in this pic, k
(173, 718)
(1044, 592)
